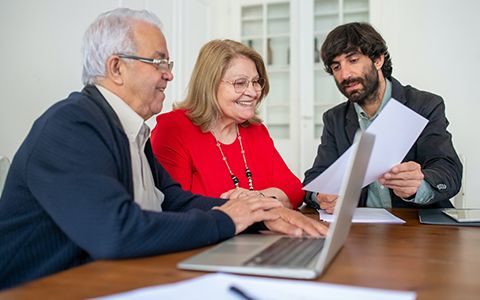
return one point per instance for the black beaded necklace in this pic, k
(247, 171)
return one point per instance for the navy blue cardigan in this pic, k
(68, 198)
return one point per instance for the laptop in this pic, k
(287, 256)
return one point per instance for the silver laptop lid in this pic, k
(347, 201)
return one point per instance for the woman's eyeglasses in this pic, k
(241, 84)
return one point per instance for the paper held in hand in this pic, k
(396, 129)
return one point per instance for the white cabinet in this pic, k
(289, 34)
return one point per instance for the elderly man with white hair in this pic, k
(85, 184)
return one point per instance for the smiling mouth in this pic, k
(161, 89)
(244, 103)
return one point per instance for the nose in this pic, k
(346, 72)
(250, 91)
(167, 75)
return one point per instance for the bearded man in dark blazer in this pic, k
(431, 173)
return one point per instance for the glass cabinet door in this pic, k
(289, 35)
(266, 28)
(328, 14)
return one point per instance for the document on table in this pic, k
(366, 215)
(218, 286)
(396, 129)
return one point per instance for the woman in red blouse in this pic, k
(214, 143)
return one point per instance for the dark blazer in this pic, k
(433, 150)
(68, 198)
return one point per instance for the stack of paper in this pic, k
(366, 215)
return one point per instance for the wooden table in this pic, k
(437, 262)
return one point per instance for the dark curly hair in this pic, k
(353, 36)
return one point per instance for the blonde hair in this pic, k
(212, 62)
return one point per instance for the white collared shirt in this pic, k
(145, 194)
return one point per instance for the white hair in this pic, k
(111, 33)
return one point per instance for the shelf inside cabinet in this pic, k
(356, 11)
(349, 5)
(326, 13)
(252, 28)
(281, 9)
(326, 6)
(326, 23)
(251, 37)
(278, 27)
(279, 18)
(278, 35)
(355, 17)
(252, 12)
(321, 33)
(252, 19)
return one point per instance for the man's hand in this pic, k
(327, 202)
(295, 223)
(404, 179)
(248, 210)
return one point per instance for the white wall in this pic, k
(40, 53)
(434, 45)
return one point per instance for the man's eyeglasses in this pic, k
(162, 64)
(240, 85)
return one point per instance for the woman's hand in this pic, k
(238, 193)
(269, 193)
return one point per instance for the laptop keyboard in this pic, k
(288, 252)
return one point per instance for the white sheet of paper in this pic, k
(396, 129)
(366, 215)
(217, 286)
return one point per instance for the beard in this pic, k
(369, 89)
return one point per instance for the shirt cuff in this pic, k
(424, 194)
(311, 200)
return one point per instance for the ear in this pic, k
(114, 68)
(379, 62)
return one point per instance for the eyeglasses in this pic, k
(162, 64)
(240, 85)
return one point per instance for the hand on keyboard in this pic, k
(295, 223)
